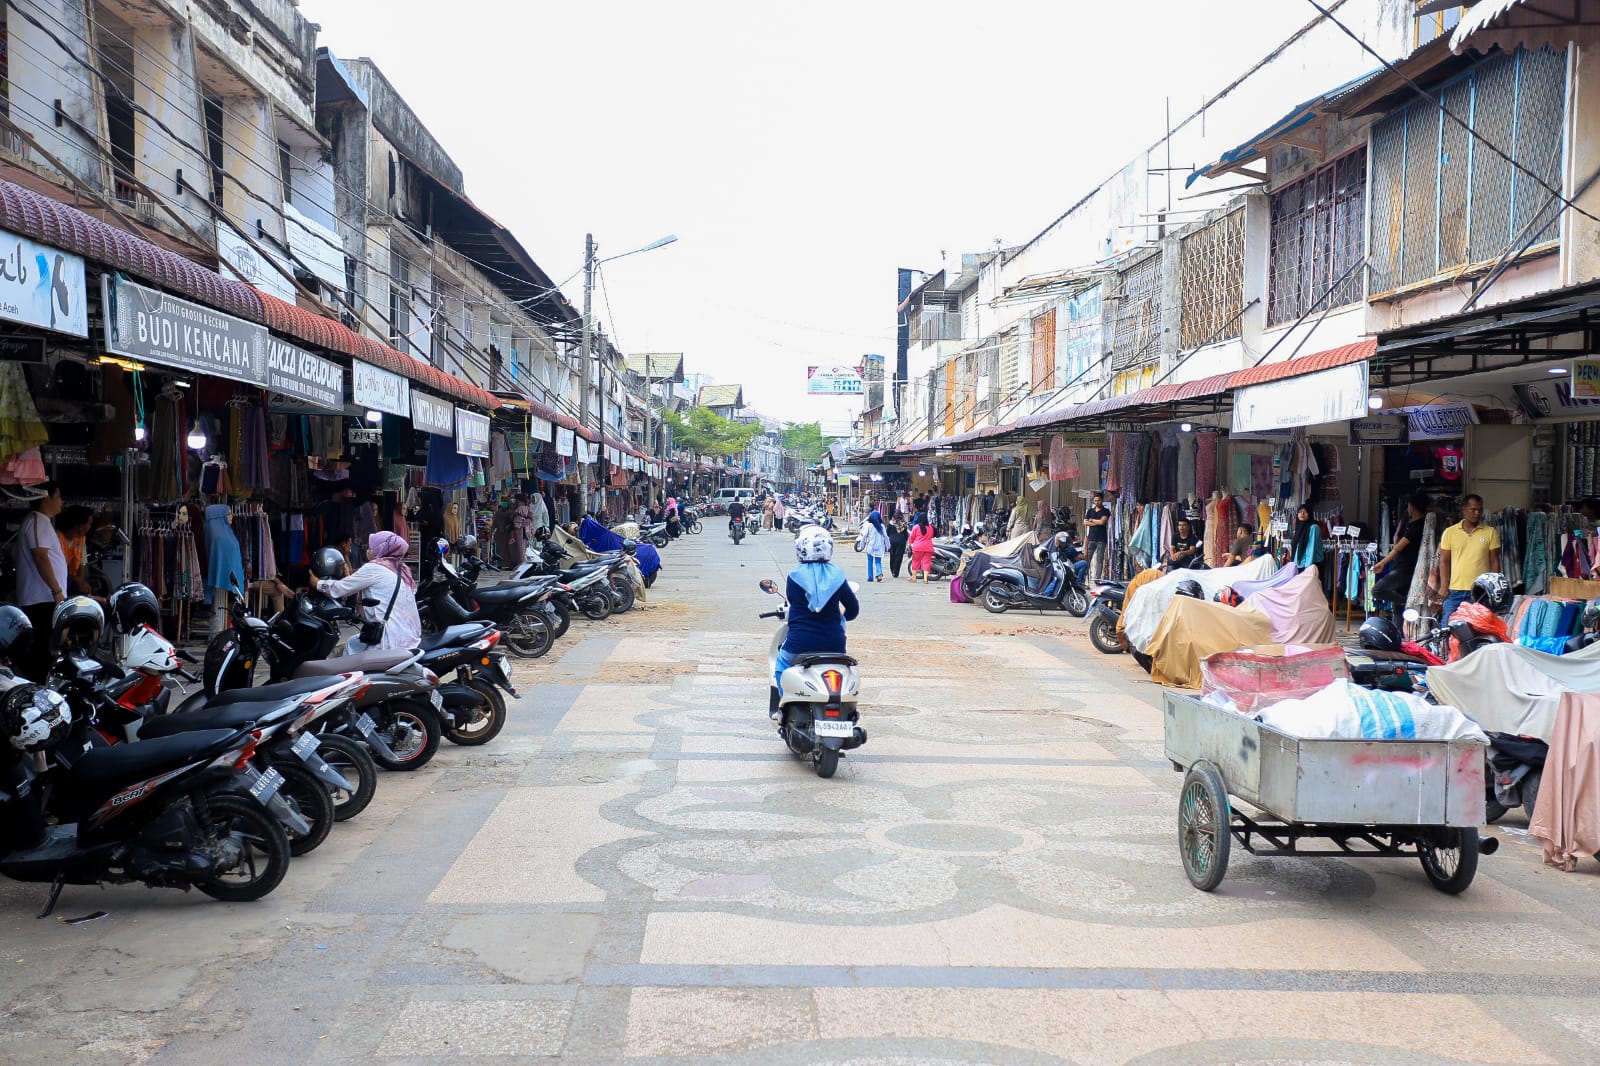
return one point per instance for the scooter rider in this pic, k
(735, 514)
(820, 603)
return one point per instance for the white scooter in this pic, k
(814, 702)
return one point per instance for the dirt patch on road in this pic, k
(988, 630)
(636, 673)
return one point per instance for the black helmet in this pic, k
(76, 623)
(15, 631)
(1379, 634)
(1189, 587)
(328, 564)
(1591, 616)
(1493, 590)
(467, 543)
(134, 605)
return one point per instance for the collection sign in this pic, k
(472, 434)
(1444, 421)
(42, 286)
(374, 387)
(298, 375)
(432, 415)
(154, 327)
(833, 381)
(1335, 395)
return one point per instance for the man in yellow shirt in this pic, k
(1467, 549)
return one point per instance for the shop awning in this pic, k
(1510, 23)
(1299, 127)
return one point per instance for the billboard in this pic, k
(833, 381)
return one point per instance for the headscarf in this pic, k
(819, 582)
(876, 519)
(389, 549)
(672, 505)
(1306, 540)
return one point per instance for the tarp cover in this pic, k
(1018, 552)
(1298, 609)
(1141, 617)
(1507, 688)
(597, 538)
(1566, 818)
(1285, 574)
(1192, 629)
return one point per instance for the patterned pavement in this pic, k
(636, 870)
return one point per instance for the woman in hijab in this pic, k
(1305, 545)
(224, 563)
(897, 545)
(877, 545)
(821, 601)
(920, 539)
(386, 578)
(1044, 526)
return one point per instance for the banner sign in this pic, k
(564, 441)
(1085, 440)
(154, 327)
(250, 266)
(42, 286)
(472, 434)
(1444, 421)
(1586, 379)
(588, 451)
(432, 415)
(298, 375)
(374, 387)
(1545, 400)
(538, 428)
(833, 381)
(969, 458)
(1380, 429)
(1334, 395)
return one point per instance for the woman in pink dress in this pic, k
(920, 541)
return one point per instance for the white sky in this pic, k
(800, 154)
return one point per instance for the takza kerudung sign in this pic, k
(154, 327)
(298, 374)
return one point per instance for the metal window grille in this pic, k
(1213, 281)
(1318, 225)
(1010, 360)
(1440, 199)
(1136, 335)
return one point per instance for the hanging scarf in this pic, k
(819, 581)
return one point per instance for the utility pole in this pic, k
(585, 343)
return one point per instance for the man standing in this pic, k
(41, 574)
(1467, 549)
(1097, 519)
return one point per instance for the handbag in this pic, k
(372, 632)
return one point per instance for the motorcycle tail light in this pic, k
(494, 638)
(834, 680)
(248, 752)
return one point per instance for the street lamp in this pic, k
(589, 263)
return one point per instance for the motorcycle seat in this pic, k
(368, 662)
(496, 597)
(211, 716)
(130, 762)
(452, 636)
(824, 658)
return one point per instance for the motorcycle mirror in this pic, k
(769, 586)
(1411, 614)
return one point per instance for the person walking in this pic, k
(1019, 519)
(41, 575)
(1466, 550)
(920, 540)
(897, 545)
(388, 583)
(766, 513)
(1394, 571)
(1044, 526)
(1097, 520)
(877, 545)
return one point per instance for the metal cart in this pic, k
(1359, 798)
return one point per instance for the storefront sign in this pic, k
(1586, 379)
(969, 458)
(21, 349)
(301, 376)
(1379, 429)
(316, 247)
(1308, 400)
(1443, 421)
(472, 434)
(154, 327)
(432, 415)
(1085, 440)
(538, 428)
(363, 435)
(587, 451)
(564, 441)
(42, 286)
(1546, 400)
(374, 387)
(833, 381)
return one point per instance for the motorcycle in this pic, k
(947, 553)
(514, 607)
(1105, 612)
(1005, 587)
(814, 701)
(736, 529)
(656, 533)
(689, 518)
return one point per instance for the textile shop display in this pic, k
(1507, 688)
(1143, 614)
(1192, 629)
(1566, 819)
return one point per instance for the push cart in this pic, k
(1345, 798)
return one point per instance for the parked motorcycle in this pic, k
(814, 701)
(1104, 613)
(1060, 589)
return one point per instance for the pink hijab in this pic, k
(389, 549)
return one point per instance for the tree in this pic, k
(704, 432)
(805, 440)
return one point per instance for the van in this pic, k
(727, 496)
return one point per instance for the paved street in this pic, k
(637, 870)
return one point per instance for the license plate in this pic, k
(306, 745)
(826, 728)
(503, 664)
(264, 786)
(365, 725)
(436, 699)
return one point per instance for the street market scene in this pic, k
(448, 628)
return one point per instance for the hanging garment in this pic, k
(1187, 479)
(225, 565)
(20, 427)
(1427, 560)
(1205, 463)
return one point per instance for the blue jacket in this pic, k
(818, 630)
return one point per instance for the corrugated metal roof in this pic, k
(721, 396)
(1358, 352)
(1499, 22)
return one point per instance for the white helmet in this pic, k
(150, 652)
(813, 544)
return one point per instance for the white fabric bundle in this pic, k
(1347, 711)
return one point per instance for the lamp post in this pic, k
(585, 345)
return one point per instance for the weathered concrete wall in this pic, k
(276, 54)
(165, 86)
(42, 72)
(400, 125)
(1581, 248)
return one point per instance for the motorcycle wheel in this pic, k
(412, 733)
(1493, 811)
(622, 590)
(660, 540)
(695, 526)
(310, 798)
(993, 601)
(561, 620)
(350, 759)
(529, 636)
(826, 761)
(1076, 602)
(262, 843)
(485, 726)
(597, 607)
(1103, 635)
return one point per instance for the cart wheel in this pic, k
(1204, 818)
(1449, 858)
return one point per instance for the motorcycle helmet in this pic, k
(1379, 634)
(328, 564)
(76, 623)
(1493, 590)
(15, 631)
(150, 652)
(33, 717)
(1591, 616)
(1189, 587)
(813, 544)
(629, 546)
(467, 544)
(133, 606)
(1227, 597)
